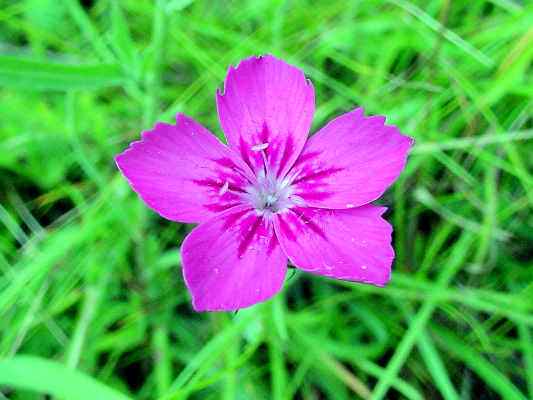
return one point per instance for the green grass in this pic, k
(92, 302)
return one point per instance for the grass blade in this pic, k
(53, 378)
(487, 371)
(21, 73)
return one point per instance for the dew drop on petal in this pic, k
(364, 267)
(350, 205)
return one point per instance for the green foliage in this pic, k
(19, 73)
(92, 303)
(53, 378)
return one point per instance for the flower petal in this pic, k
(184, 172)
(232, 261)
(353, 244)
(267, 105)
(349, 162)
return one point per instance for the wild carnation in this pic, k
(272, 194)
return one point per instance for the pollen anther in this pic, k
(224, 188)
(260, 147)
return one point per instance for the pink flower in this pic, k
(272, 194)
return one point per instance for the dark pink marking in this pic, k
(308, 156)
(286, 230)
(217, 207)
(287, 153)
(325, 173)
(253, 223)
(206, 182)
(307, 195)
(225, 162)
(243, 148)
(264, 134)
(272, 244)
(235, 188)
(305, 216)
(270, 151)
(212, 183)
(230, 164)
(232, 219)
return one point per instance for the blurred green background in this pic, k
(92, 301)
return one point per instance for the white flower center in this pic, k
(270, 195)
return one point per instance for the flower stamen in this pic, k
(260, 146)
(224, 189)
